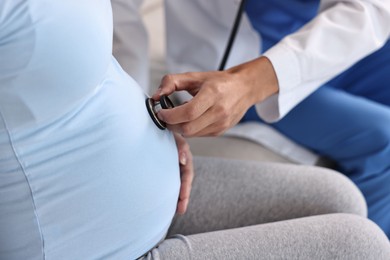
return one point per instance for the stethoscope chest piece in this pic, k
(154, 106)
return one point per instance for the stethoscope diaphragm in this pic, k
(154, 107)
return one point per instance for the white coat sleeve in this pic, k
(342, 33)
(130, 45)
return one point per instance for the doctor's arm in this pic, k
(341, 34)
(344, 32)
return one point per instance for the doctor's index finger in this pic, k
(188, 111)
(177, 82)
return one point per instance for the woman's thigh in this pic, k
(353, 131)
(229, 194)
(334, 236)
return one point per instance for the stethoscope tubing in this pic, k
(233, 35)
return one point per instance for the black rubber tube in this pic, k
(233, 34)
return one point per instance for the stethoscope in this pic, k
(154, 107)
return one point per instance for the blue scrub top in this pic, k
(274, 19)
(84, 172)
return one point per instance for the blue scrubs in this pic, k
(347, 119)
(84, 172)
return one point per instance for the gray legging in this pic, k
(249, 210)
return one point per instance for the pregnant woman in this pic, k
(85, 173)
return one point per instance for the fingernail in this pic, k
(183, 158)
(160, 116)
(159, 91)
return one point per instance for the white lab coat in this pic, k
(130, 45)
(197, 31)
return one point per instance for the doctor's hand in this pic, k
(186, 173)
(220, 98)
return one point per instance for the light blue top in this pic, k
(84, 172)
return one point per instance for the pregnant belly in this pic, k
(104, 178)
